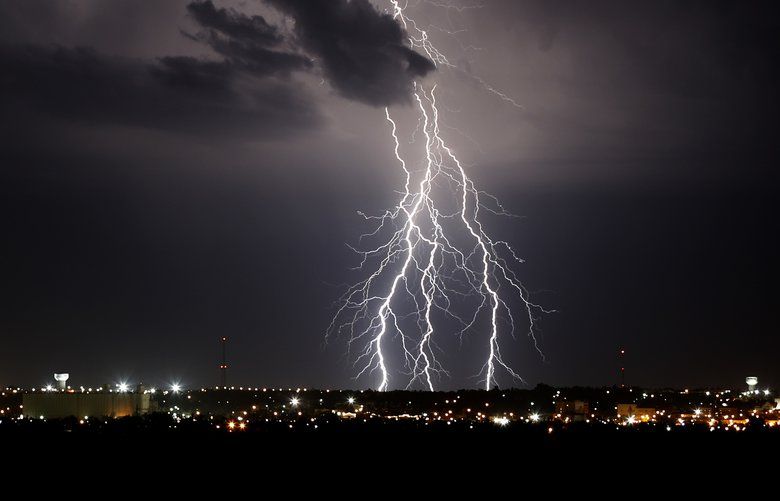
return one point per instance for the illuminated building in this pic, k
(80, 404)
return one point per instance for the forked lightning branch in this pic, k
(437, 255)
(434, 260)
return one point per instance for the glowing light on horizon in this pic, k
(501, 420)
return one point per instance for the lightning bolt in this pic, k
(428, 254)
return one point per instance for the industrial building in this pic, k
(81, 404)
(65, 402)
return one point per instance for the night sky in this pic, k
(172, 172)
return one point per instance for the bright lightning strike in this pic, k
(433, 254)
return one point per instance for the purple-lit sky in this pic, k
(176, 171)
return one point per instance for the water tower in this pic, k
(61, 380)
(752, 382)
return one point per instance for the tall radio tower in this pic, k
(223, 366)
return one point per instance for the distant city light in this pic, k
(721, 411)
(501, 420)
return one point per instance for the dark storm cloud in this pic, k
(235, 25)
(245, 41)
(361, 50)
(245, 90)
(176, 93)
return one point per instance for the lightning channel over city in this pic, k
(433, 252)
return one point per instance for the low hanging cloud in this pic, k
(362, 52)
